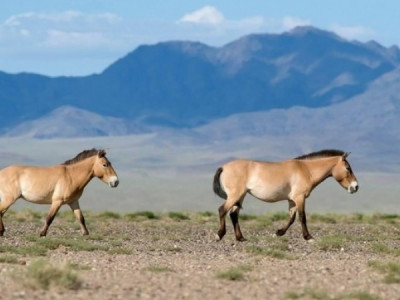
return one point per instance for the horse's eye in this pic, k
(104, 165)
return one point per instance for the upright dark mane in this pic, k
(322, 153)
(85, 154)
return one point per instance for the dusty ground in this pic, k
(176, 258)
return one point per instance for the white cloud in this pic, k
(67, 30)
(30, 41)
(354, 32)
(59, 18)
(62, 39)
(207, 15)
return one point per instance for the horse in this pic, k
(55, 185)
(292, 180)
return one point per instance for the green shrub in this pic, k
(331, 242)
(178, 216)
(144, 214)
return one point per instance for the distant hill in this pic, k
(69, 122)
(186, 84)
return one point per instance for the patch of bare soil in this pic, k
(177, 258)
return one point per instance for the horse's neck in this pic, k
(320, 168)
(81, 172)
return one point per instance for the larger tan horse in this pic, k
(55, 185)
(291, 180)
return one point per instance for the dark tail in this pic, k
(217, 185)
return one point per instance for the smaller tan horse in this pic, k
(291, 180)
(56, 185)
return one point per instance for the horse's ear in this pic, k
(102, 153)
(346, 154)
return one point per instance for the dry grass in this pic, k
(149, 254)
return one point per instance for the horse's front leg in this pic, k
(55, 206)
(292, 217)
(300, 202)
(2, 229)
(79, 216)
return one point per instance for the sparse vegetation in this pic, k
(41, 274)
(158, 269)
(141, 215)
(235, 273)
(331, 242)
(382, 248)
(126, 248)
(276, 247)
(178, 216)
(109, 215)
(391, 270)
(317, 294)
(9, 259)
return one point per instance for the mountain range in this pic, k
(182, 84)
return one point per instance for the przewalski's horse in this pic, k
(291, 180)
(55, 185)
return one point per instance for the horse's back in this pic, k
(245, 172)
(30, 182)
(261, 168)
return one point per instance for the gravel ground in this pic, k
(175, 258)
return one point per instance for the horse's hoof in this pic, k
(217, 238)
(311, 241)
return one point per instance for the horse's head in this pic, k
(343, 174)
(103, 170)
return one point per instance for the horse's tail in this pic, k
(217, 184)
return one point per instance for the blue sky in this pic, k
(81, 37)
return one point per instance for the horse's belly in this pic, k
(37, 198)
(269, 195)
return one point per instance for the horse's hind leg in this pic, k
(292, 217)
(79, 216)
(234, 215)
(222, 225)
(223, 210)
(5, 203)
(55, 206)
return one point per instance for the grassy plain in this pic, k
(145, 254)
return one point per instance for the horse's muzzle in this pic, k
(113, 182)
(353, 187)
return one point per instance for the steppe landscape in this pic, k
(144, 255)
(169, 114)
(153, 237)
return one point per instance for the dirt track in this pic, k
(177, 258)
